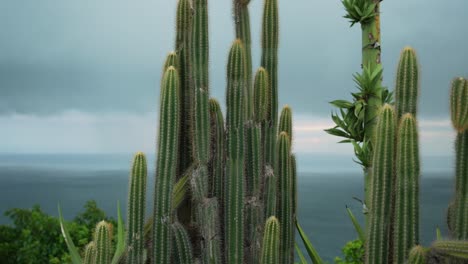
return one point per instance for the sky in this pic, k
(83, 76)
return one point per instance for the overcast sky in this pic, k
(82, 76)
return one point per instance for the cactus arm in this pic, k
(200, 58)
(136, 209)
(417, 255)
(271, 241)
(89, 253)
(208, 215)
(102, 238)
(459, 103)
(182, 247)
(406, 215)
(457, 248)
(75, 256)
(461, 190)
(285, 123)
(217, 147)
(269, 61)
(407, 83)
(285, 207)
(121, 245)
(377, 250)
(166, 166)
(270, 194)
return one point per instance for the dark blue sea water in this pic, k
(71, 180)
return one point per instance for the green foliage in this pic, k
(353, 253)
(359, 11)
(311, 251)
(35, 237)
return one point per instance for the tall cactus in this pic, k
(271, 242)
(407, 84)
(235, 155)
(378, 229)
(459, 112)
(90, 253)
(417, 255)
(136, 209)
(200, 59)
(166, 166)
(406, 216)
(269, 62)
(102, 238)
(285, 206)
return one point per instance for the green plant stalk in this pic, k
(89, 253)
(217, 150)
(461, 190)
(253, 226)
(235, 192)
(269, 61)
(406, 215)
(182, 48)
(285, 123)
(242, 23)
(285, 206)
(311, 251)
(200, 59)
(102, 238)
(271, 242)
(294, 185)
(270, 192)
(136, 209)
(253, 159)
(74, 255)
(377, 247)
(166, 166)
(182, 247)
(407, 83)
(121, 243)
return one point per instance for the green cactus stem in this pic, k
(166, 166)
(377, 250)
(182, 247)
(182, 48)
(271, 242)
(407, 83)
(460, 210)
(103, 240)
(285, 123)
(285, 206)
(253, 226)
(417, 255)
(171, 60)
(136, 210)
(269, 61)
(242, 23)
(406, 217)
(457, 248)
(253, 159)
(294, 184)
(459, 103)
(270, 192)
(90, 253)
(262, 96)
(208, 216)
(217, 150)
(200, 59)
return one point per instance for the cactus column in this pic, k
(234, 203)
(166, 166)
(384, 153)
(136, 210)
(406, 216)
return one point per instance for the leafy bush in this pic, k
(353, 253)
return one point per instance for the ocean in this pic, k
(324, 193)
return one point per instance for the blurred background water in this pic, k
(325, 188)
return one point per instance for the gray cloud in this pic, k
(106, 56)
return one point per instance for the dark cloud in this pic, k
(106, 55)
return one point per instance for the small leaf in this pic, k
(74, 255)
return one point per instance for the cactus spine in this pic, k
(136, 209)
(377, 235)
(271, 241)
(269, 61)
(285, 206)
(182, 247)
(406, 218)
(407, 84)
(166, 165)
(235, 157)
(102, 238)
